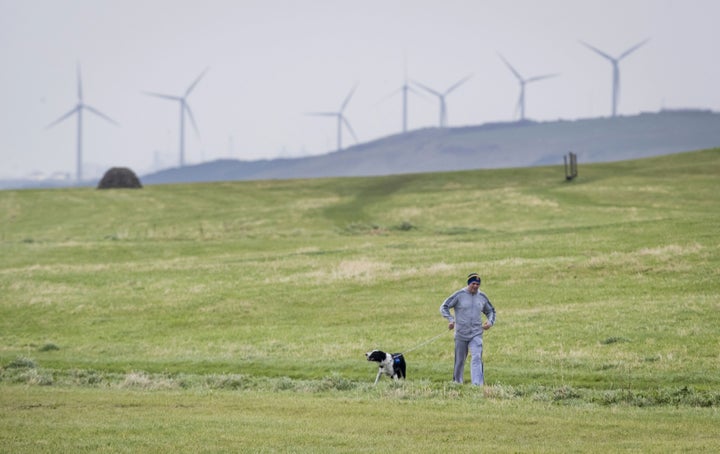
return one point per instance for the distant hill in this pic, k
(491, 145)
(495, 145)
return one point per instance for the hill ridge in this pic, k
(490, 145)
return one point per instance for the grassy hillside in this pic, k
(607, 290)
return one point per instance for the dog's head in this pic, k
(376, 355)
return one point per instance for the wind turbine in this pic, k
(616, 69)
(78, 109)
(441, 97)
(184, 107)
(404, 89)
(341, 119)
(523, 82)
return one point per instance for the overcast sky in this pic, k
(273, 61)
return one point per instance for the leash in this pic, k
(425, 342)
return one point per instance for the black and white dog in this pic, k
(392, 365)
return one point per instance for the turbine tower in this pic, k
(441, 97)
(406, 88)
(616, 69)
(184, 107)
(341, 119)
(523, 82)
(78, 109)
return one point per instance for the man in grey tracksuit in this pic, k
(468, 305)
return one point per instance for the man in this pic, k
(468, 305)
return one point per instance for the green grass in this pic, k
(89, 420)
(195, 317)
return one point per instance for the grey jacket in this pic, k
(468, 310)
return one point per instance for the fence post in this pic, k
(570, 166)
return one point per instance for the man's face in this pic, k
(473, 287)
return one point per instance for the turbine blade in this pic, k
(102, 115)
(416, 92)
(536, 78)
(391, 94)
(598, 51)
(514, 71)
(427, 89)
(457, 84)
(322, 114)
(192, 86)
(405, 66)
(160, 95)
(347, 100)
(74, 110)
(633, 49)
(409, 88)
(79, 83)
(192, 119)
(347, 124)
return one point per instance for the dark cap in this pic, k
(473, 277)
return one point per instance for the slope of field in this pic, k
(235, 276)
(254, 302)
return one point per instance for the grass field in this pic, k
(234, 316)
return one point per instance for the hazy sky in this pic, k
(273, 61)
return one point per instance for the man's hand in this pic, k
(487, 326)
(451, 325)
